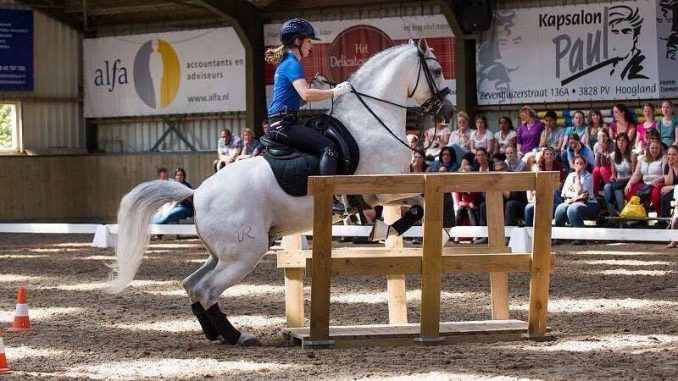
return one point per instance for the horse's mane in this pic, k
(376, 61)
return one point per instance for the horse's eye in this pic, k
(437, 71)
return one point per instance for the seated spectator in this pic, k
(413, 141)
(602, 152)
(529, 131)
(461, 136)
(182, 210)
(482, 161)
(547, 162)
(162, 173)
(482, 137)
(553, 134)
(578, 127)
(514, 205)
(250, 146)
(228, 149)
(468, 204)
(667, 125)
(648, 113)
(596, 124)
(646, 181)
(574, 148)
(447, 161)
(264, 126)
(506, 136)
(437, 136)
(623, 122)
(621, 169)
(579, 202)
(514, 163)
(669, 182)
(418, 163)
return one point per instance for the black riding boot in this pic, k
(222, 325)
(328, 167)
(204, 321)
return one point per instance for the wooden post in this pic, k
(431, 266)
(397, 299)
(541, 255)
(294, 287)
(494, 207)
(323, 189)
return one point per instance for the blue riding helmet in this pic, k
(294, 28)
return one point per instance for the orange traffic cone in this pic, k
(21, 322)
(3, 360)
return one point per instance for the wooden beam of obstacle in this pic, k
(429, 263)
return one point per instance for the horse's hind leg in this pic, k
(199, 312)
(231, 269)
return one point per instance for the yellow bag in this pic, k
(633, 209)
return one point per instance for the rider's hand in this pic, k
(341, 89)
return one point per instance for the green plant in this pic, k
(5, 126)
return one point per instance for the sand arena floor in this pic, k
(614, 310)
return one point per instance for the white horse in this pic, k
(240, 209)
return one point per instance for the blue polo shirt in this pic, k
(284, 93)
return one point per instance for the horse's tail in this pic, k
(134, 217)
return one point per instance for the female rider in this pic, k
(290, 88)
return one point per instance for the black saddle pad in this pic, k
(292, 168)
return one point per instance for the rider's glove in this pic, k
(341, 89)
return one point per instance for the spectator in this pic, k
(182, 210)
(506, 136)
(413, 141)
(529, 131)
(228, 149)
(250, 145)
(482, 137)
(595, 125)
(669, 181)
(513, 162)
(437, 136)
(553, 134)
(622, 168)
(646, 181)
(579, 202)
(574, 148)
(264, 126)
(648, 113)
(462, 135)
(447, 161)
(578, 128)
(468, 204)
(482, 161)
(547, 162)
(418, 163)
(623, 122)
(667, 125)
(162, 173)
(602, 152)
(514, 205)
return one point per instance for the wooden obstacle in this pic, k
(430, 263)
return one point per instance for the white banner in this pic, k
(165, 73)
(582, 52)
(346, 44)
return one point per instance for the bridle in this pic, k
(430, 106)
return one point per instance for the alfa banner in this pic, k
(184, 72)
(346, 44)
(604, 51)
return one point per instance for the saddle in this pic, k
(292, 167)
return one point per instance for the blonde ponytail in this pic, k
(274, 56)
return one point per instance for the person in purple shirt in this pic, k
(529, 131)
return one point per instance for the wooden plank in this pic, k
(495, 233)
(395, 283)
(377, 184)
(489, 182)
(294, 287)
(322, 251)
(432, 258)
(541, 248)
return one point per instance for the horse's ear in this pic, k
(411, 42)
(423, 46)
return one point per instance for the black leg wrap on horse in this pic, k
(328, 162)
(222, 325)
(411, 217)
(207, 328)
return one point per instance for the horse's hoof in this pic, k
(247, 340)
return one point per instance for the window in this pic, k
(9, 127)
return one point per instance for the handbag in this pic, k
(633, 209)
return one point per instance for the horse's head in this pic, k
(429, 89)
